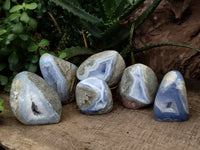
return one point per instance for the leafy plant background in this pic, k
(29, 28)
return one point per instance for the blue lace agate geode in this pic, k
(33, 100)
(107, 65)
(60, 74)
(138, 86)
(171, 99)
(93, 96)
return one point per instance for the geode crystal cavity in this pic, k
(60, 74)
(171, 99)
(93, 96)
(107, 65)
(138, 86)
(33, 101)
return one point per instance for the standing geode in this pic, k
(61, 75)
(33, 101)
(138, 86)
(93, 96)
(107, 65)
(171, 99)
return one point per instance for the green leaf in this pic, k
(31, 67)
(44, 42)
(2, 66)
(3, 80)
(1, 101)
(6, 5)
(2, 31)
(34, 59)
(32, 47)
(31, 6)
(76, 51)
(41, 52)
(24, 17)
(32, 23)
(13, 58)
(18, 28)
(16, 8)
(10, 38)
(1, 108)
(14, 16)
(80, 12)
(24, 37)
(4, 51)
(62, 55)
(145, 48)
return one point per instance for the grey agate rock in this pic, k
(106, 65)
(33, 101)
(61, 75)
(93, 96)
(138, 86)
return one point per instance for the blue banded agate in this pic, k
(93, 96)
(171, 100)
(138, 86)
(60, 74)
(33, 101)
(107, 65)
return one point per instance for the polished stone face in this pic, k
(33, 101)
(138, 86)
(60, 74)
(171, 99)
(107, 65)
(93, 96)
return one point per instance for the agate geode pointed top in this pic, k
(33, 100)
(171, 99)
(138, 86)
(107, 65)
(60, 74)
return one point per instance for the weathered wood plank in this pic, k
(120, 129)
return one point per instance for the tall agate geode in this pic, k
(60, 74)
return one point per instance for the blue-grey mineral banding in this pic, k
(60, 74)
(171, 100)
(107, 65)
(138, 86)
(93, 96)
(33, 101)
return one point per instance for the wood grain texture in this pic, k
(121, 129)
(162, 26)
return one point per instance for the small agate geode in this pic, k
(33, 101)
(107, 65)
(93, 96)
(138, 86)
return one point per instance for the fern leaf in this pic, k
(77, 11)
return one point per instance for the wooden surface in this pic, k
(121, 129)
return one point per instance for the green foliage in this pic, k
(1, 104)
(101, 19)
(19, 49)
